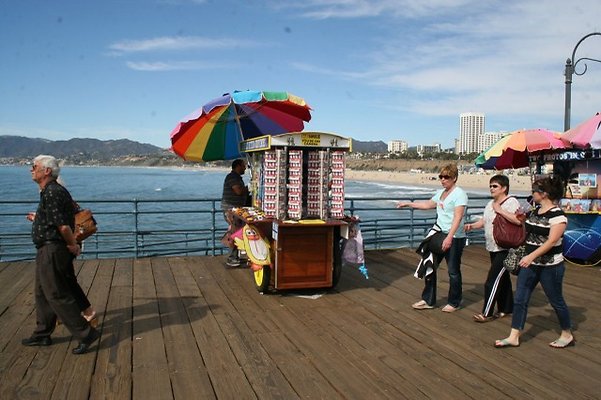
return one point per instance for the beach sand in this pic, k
(517, 184)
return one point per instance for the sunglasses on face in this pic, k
(444, 177)
(537, 190)
(494, 186)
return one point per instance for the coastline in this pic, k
(517, 184)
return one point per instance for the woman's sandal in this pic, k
(481, 318)
(562, 344)
(422, 305)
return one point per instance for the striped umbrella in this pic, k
(214, 131)
(586, 135)
(512, 150)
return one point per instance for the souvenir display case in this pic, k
(297, 181)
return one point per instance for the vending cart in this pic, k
(297, 185)
(581, 170)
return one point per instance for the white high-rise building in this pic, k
(470, 126)
(397, 146)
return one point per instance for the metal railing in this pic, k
(149, 228)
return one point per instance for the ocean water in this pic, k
(170, 199)
(114, 184)
(127, 183)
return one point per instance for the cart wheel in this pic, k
(262, 277)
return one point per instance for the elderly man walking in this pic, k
(52, 234)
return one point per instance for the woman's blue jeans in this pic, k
(453, 259)
(551, 279)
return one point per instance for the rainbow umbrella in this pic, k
(512, 150)
(214, 131)
(585, 135)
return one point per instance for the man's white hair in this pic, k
(48, 162)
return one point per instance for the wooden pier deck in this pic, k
(187, 328)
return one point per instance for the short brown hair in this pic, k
(501, 180)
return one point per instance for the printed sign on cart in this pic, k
(256, 144)
(310, 139)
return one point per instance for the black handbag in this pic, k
(512, 261)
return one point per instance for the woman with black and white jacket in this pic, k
(543, 263)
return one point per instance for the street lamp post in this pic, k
(569, 71)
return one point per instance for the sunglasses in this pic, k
(444, 177)
(537, 190)
(494, 186)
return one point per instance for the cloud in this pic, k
(158, 66)
(178, 43)
(181, 2)
(346, 9)
(503, 58)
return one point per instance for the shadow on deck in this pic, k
(185, 327)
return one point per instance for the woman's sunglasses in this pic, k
(444, 177)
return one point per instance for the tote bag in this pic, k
(506, 234)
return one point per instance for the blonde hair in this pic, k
(450, 170)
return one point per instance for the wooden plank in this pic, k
(18, 307)
(186, 368)
(227, 377)
(12, 281)
(75, 377)
(17, 323)
(266, 379)
(150, 372)
(112, 376)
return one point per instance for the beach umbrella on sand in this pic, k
(586, 135)
(512, 150)
(214, 131)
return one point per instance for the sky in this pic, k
(370, 70)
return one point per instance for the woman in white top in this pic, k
(497, 288)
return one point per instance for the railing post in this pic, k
(213, 228)
(411, 236)
(135, 228)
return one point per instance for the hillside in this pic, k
(94, 149)
(369, 146)
(124, 152)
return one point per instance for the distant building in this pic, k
(487, 139)
(470, 126)
(397, 146)
(428, 149)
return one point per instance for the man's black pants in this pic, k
(53, 293)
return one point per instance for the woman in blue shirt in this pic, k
(450, 203)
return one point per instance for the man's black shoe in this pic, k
(232, 262)
(37, 341)
(85, 344)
